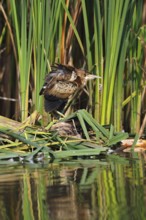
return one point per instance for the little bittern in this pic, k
(62, 82)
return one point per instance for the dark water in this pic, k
(114, 189)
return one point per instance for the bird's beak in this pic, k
(89, 77)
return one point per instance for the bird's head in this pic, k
(85, 76)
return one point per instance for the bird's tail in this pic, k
(54, 104)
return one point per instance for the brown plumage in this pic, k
(62, 82)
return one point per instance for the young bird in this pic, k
(62, 82)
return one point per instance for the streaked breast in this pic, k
(63, 89)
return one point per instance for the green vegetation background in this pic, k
(108, 38)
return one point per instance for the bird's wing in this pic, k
(59, 73)
(50, 81)
(65, 68)
(65, 72)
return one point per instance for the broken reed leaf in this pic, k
(92, 145)
(111, 134)
(19, 137)
(79, 145)
(15, 144)
(69, 117)
(9, 123)
(62, 142)
(117, 138)
(83, 116)
(96, 140)
(82, 123)
(93, 123)
(71, 153)
(7, 155)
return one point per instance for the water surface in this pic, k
(113, 188)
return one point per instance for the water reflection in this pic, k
(110, 189)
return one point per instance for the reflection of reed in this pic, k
(63, 203)
(88, 193)
(111, 190)
(10, 193)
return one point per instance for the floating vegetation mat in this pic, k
(78, 135)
